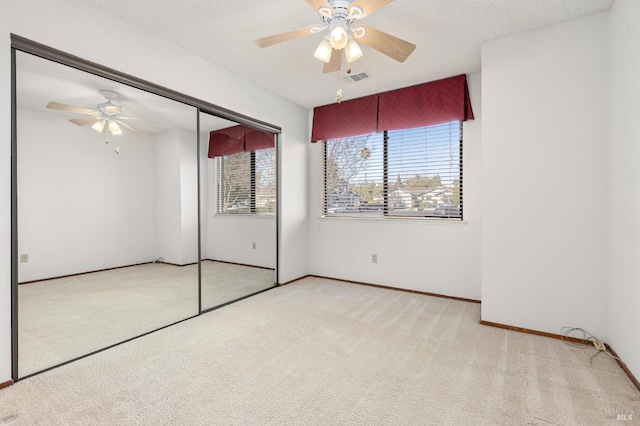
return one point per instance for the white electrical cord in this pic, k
(587, 340)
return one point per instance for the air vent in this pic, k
(355, 77)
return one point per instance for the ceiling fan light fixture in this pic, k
(98, 126)
(339, 38)
(111, 109)
(326, 12)
(114, 128)
(355, 12)
(323, 52)
(358, 32)
(352, 51)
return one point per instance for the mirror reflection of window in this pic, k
(246, 182)
(239, 233)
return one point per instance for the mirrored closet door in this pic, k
(238, 210)
(107, 212)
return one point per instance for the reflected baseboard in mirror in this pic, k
(223, 282)
(65, 318)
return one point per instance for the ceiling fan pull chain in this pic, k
(339, 81)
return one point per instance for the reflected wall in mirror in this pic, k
(107, 212)
(238, 202)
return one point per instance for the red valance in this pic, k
(227, 141)
(416, 106)
(233, 140)
(348, 118)
(255, 140)
(425, 104)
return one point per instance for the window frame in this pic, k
(387, 214)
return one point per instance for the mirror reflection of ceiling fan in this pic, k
(342, 19)
(105, 118)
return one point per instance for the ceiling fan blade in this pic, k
(369, 6)
(335, 62)
(138, 119)
(393, 47)
(83, 121)
(317, 4)
(289, 35)
(70, 108)
(126, 126)
(134, 119)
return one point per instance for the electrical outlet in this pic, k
(24, 258)
(374, 258)
(254, 246)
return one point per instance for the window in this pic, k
(398, 173)
(247, 182)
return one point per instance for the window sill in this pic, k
(412, 220)
(246, 215)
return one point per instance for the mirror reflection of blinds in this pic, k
(246, 183)
(399, 173)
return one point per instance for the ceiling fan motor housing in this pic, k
(109, 109)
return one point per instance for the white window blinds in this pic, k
(399, 173)
(246, 182)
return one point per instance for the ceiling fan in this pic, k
(105, 118)
(342, 19)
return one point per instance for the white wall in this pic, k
(545, 178)
(231, 238)
(176, 197)
(188, 195)
(167, 195)
(430, 256)
(624, 196)
(65, 25)
(293, 200)
(81, 207)
(205, 197)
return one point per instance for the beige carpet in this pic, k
(65, 318)
(323, 352)
(223, 282)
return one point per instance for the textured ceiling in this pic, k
(448, 35)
